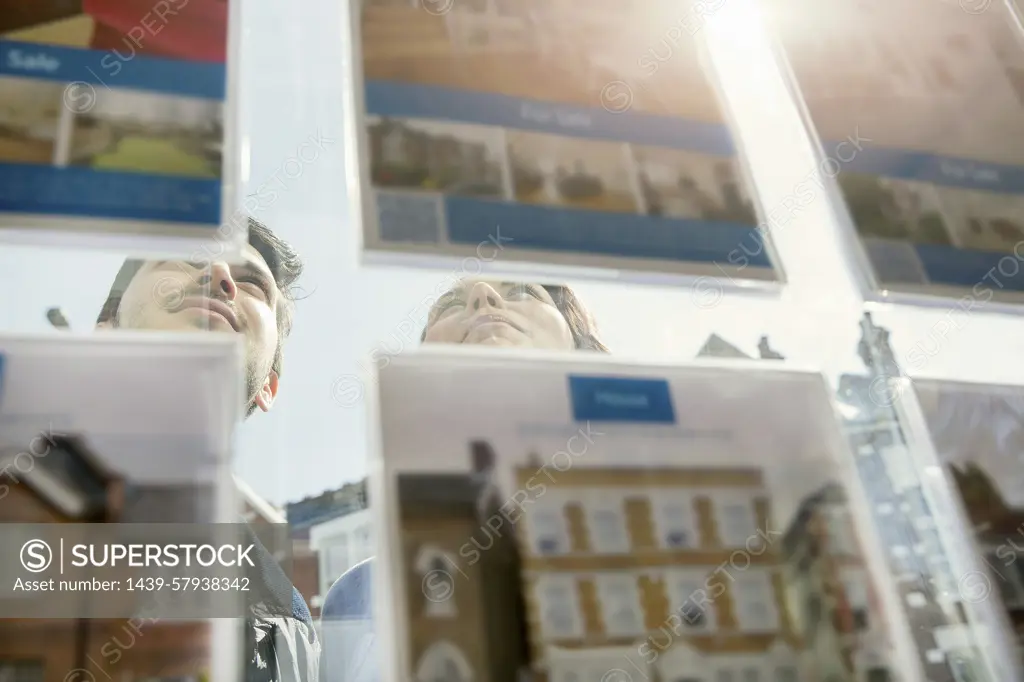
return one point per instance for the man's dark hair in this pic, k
(284, 263)
(581, 323)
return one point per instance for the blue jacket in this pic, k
(346, 628)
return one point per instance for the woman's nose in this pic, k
(484, 295)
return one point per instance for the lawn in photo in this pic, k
(150, 133)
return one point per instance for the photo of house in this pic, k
(604, 562)
(835, 604)
(547, 51)
(649, 541)
(30, 112)
(899, 210)
(569, 171)
(149, 133)
(986, 221)
(613, 557)
(453, 158)
(679, 184)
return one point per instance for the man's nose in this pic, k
(483, 294)
(220, 281)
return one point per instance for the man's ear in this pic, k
(267, 393)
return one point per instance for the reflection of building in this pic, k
(835, 603)
(634, 564)
(310, 547)
(929, 593)
(463, 598)
(999, 530)
(341, 543)
(70, 485)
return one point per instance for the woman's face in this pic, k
(498, 314)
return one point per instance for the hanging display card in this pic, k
(933, 93)
(112, 116)
(581, 516)
(549, 132)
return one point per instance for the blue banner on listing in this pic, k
(473, 221)
(934, 169)
(401, 100)
(959, 267)
(87, 192)
(619, 399)
(109, 69)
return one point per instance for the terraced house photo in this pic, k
(569, 171)
(436, 156)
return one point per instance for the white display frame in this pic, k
(390, 605)
(544, 265)
(208, 396)
(141, 239)
(856, 259)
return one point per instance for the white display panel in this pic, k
(118, 128)
(655, 437)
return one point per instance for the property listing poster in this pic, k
(934, 89)
(112, 112)
(585, 135)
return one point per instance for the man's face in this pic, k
(241, 298)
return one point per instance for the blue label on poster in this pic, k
(620, 399)
(473, 221)
(108, 69)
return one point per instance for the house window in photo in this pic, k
(559, 608)
(737, 522)
(689, 599)
(606, 525)
(676, 523)
(620, 605)
(753, 597)
(548, 529)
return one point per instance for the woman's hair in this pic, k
(581, 323)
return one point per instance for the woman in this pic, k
(489, 313)
(479, 312)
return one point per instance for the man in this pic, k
(254, 299)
